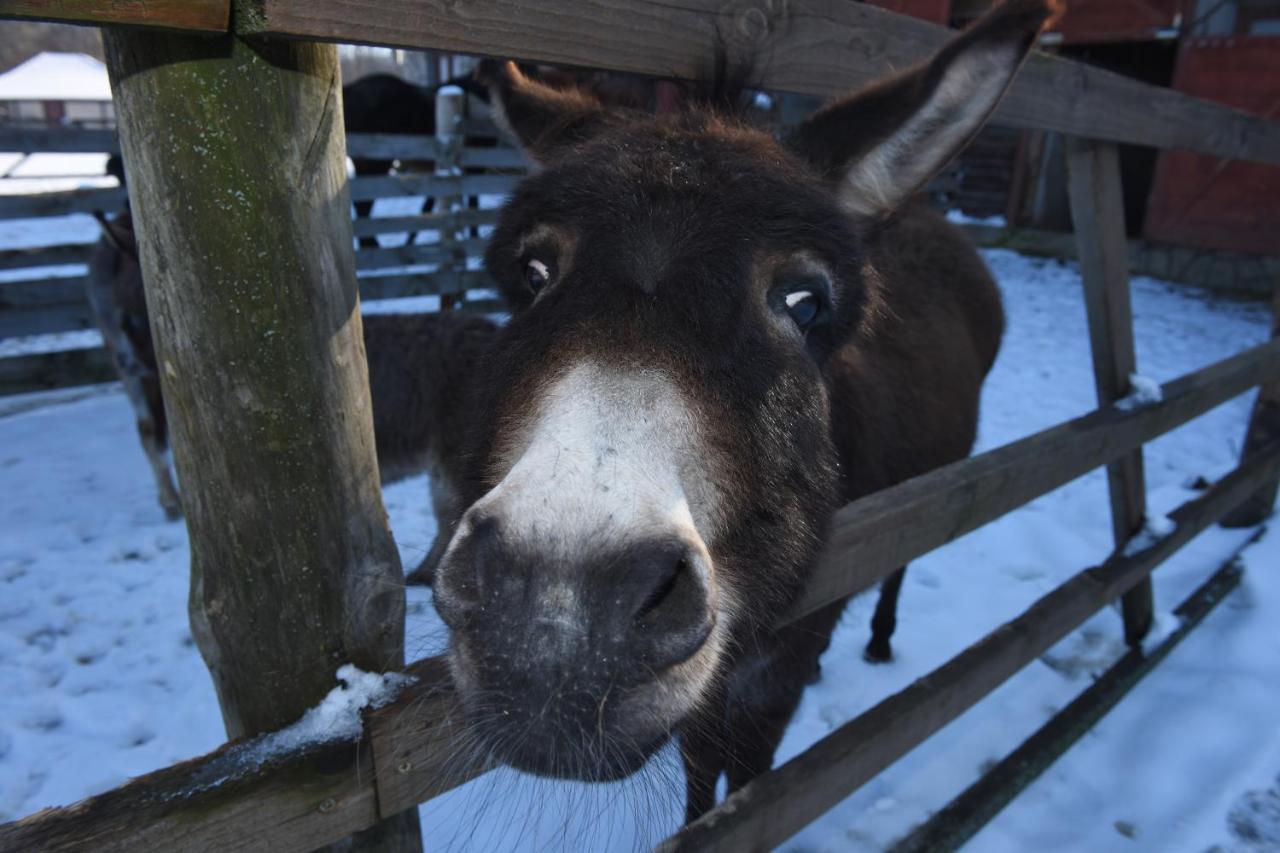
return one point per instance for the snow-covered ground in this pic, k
(102, 681)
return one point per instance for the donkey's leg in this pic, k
(444, 502)
(702, 751)
(885, 619)
(761, 708)
(144, 393)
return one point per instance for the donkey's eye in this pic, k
(803, 307)
(537, 275)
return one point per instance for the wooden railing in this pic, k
(407, 753)
(37, 303)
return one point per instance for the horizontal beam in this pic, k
(374, 288)
(953, 825)
(42, 292)
(772, 807)
(107, 199)
(871, 537)
(230, 801)
(371, 146)
(202, 16)
(427, 253)
(814, 47)
(45, 256)
(390, 146)
(46, 319)
(111, 199)
(411, 184)
(47, 306)
(22, 374)
(58, 140)
(43, 371)
(78, 253)
(365, 227)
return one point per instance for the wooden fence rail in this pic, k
(813, 47)
(409, 754)
(879, 533)
(774, 806)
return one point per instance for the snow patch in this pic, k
(1163, 626)
(959, 217)
(1153, 530)
(1144, 391)
(336, 718)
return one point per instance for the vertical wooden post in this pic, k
(237, 176)
(1264, 428)
(453, 260)
(1097, 209)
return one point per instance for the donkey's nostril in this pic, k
(672, 616)
(664, 588)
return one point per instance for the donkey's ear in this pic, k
(884, 143)
(545, 120)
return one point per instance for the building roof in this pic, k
(56, 77)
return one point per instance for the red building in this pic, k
(1220, 50)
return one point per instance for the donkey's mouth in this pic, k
(577, 761)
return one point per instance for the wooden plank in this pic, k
(417, 750)
(390, 186)
(22, 374)
(46, 256)
(61, 140)
(46, 319)
(1097, 212)
(875, 535)
(108, 199)
(111, 199)
(228, 801)
(950, 827)
(500, 157)
(47, 306)
(774, 806)
(207, 16)
(1264, 428)
(391, 146)
(428, 222)
(42, 292)
(373, 288)
(428, 253)
(814, 47)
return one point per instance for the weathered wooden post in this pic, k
(238, 182)
(1097, 212)
(453, 259)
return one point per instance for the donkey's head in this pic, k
(656, 473)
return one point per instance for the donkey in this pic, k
(419, 368)
(119, 309)
(716, 339)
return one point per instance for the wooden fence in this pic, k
(405, 756)
(37, 303)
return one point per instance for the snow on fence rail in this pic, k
(407, 753)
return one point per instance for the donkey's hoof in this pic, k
(816, 675)
(421, 576)
(878, 651)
